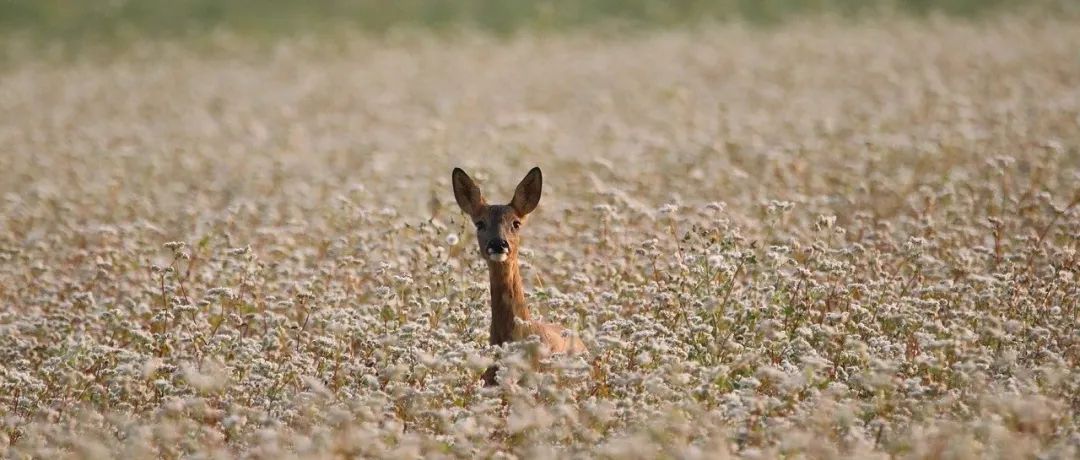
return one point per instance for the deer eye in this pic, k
(479, 225)
(517, 224)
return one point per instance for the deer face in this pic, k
(497, 226)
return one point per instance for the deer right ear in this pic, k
(527, 194)
(467, 193)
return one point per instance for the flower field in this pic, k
(824, 240)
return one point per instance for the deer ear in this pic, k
(466, 192)
(527, 194)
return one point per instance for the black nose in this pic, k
(498, 245)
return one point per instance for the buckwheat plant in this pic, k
(826, 240)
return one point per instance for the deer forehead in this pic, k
(499, 213)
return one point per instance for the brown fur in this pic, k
(507, 290)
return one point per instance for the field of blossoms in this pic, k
(826, 240)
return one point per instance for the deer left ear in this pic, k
(527, 194)
(467, 193)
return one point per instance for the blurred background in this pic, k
(76, 21)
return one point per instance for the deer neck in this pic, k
(507, 299)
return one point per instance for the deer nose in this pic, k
(498, 246)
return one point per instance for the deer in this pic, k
(498, 234)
